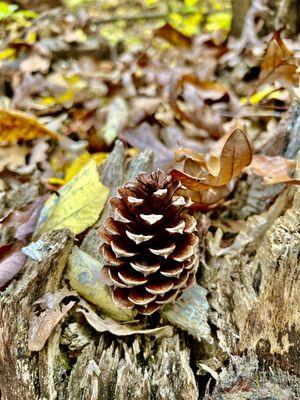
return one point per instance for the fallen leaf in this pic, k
(42, 325)
(143, 137)
(102, 323)
(190, 98)
(174, 137)
(273, 169)
(28, 226)
(279, 63)
(142, 107)
(25, 219)
(84, 274)
(11, 264)
(236, 155)
(190, 313)
(77, 205)
(12, 157)
(15, 126)
(116, 119)
(37, 155)
(35, 63)
(173, 36)
(76, 166)
(213, 91)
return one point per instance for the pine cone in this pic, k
(149, 246)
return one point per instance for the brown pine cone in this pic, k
(149, 246)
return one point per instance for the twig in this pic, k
(129, 18)
(157, 15)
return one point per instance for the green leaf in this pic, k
(6, 10)
(78, 204)
(26, 14)
(84, 277)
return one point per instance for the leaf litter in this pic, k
(200, 102)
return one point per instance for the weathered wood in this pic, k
(253, 291)
(141, 370)
(243, 379)
(257, 279)
(19, 372)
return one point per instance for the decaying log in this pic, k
(244, 379)
(253, 291)
(139, 370)
(19, 372)
(254, 287)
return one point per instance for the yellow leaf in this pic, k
(56, 181)
(221, 20)
(76, 166)
(48, 101)
(257, 97)
(77, 205)
(15, 126)
(189, 25)
(8, 53)
(81, 161)
(67, 96)
(191, 3)
(31, 37)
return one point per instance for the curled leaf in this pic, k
(215, 174)
(42, 325)
(103, 323)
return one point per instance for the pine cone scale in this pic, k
(145, 268)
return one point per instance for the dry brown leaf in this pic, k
(144, 137)
(207, 89)
(102, 323)
(236, 155)
(15, 126)
(273, 169)
(12, 157)
(35, 63)
(279, 63)
(208, 181)
(173, 36)
(189, 97)
(41, 326)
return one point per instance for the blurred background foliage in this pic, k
(130, 22)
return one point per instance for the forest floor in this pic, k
(89, 99)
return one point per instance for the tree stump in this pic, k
(252, 288)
